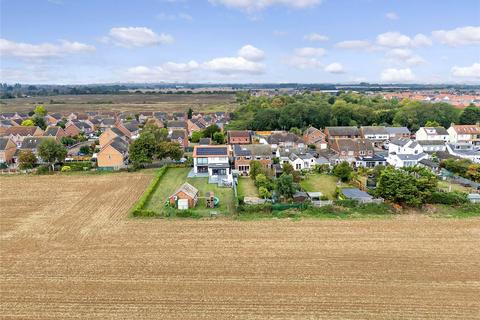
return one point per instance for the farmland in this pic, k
(123, 102)
(68, 250)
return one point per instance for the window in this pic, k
(248, 158)
(298, 166)
(202, 160)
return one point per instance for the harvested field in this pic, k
(123, 102)
(68, 250)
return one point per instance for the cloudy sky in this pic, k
(99, 41)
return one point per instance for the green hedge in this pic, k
(138, 209)
(451, 198)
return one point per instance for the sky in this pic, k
(239, 41)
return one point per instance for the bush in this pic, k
(138, 209)
(450, 198)
(347, 203)
(43, 170)
(187, 214)
(66, 168)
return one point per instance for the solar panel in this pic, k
(212, 151)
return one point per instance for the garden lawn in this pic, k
(169, 183)
(326, 184)
(226, 205)
(246, 187)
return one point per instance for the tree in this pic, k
(143, 149)
(189, 113)
(296, 131)
(255, 169)
(39, 121)
(344, 171)
(285, 186)
(210, 131)
(167, 149)
(51, 152)
(67, 141)
(261, 180)
(40, 111)
(26, 159)
(219, 137)
(160, 134)
(264, 193)
(287, 168)
(86, 150)
(28, 123)
(433, 123)
(470, 115)
(196, 136)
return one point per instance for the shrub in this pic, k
(138, 209)
(43, 170)
(187, 214)
(66, 168)
(450, 198)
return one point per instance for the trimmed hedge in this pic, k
(451, 198)
(138, 209)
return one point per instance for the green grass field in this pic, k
(246, 187)
(320, 182)
(175, 177)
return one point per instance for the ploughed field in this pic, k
(68, 250)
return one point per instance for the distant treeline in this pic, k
(343, 109)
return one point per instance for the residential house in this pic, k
(144, 116)
(195, 125)
(31, 144)
(285, 139)
(405, 153)
(57, 132)
(7, 123)
(239, 137)
(432, 133)
(53, 118)
(176, 125)
(348, 149)
(469, 133)
(370, 161)
(130, 129)
(432, 146)
(333, 133)
(213, 161)
(243, 155)
(180, 116)
(314, 136)
(7, 150)
(109, 134)
(464, 151)
(19, 133)
(75, 127)
(301, 161)
(181, 137)
(105, 123)
(114, 155)
(185, 197)
(398, 132)
(377, 134)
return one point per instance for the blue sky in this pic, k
(334, 41)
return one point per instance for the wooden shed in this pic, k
(185, 192)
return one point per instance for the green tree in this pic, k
(86, 150)
(285, 186)
(219, 137)
(189, 113)
(28, 123)
(160, 134)
(26, 159)
(167, 149)
(264, 193)
(261, 180)
(40, 111)
(68, 141)
(470, 115)
(39, 121)
(51, 152)
(431, 123)
(343, 171)
(210, 131)
(196, 136)
(296, 131)
(255, 169)
(143, 149)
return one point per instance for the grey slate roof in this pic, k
(120, 145)
(343, 131)
(374, 130)
(354, 193)
(397, 130)
(3, 143)
(252, 150)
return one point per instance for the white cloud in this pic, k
(310, 52)
(391, 16)
(174, 16)
(44, 50)
(472, 71)
(421, 40)
(233, 65)
(397, 40)
(397, 75)
(459, 36)
(404, 56)
(303, 62)
(251, 53)
(315, 37)
(335, 68)
(353, 44)
(257, 5)
(137, 37)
